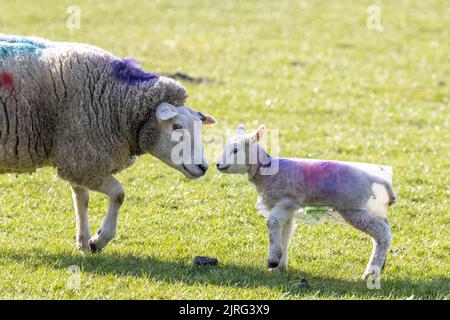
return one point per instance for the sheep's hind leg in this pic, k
(80, 197)
(113, 189)
(379, 230)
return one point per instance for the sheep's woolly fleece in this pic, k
(75, 107)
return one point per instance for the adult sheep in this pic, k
(88, 113)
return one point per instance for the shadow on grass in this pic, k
(232, 275)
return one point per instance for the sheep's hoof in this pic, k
(84, 248)
(93, 247)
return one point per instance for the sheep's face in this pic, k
(179, 141)
(240, 152)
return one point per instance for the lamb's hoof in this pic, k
(373, 272)
(365, 276)
(271, 264)
(279, 269)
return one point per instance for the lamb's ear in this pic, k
(166, 111)
(207, 119)
(240, 130)
(258, 134)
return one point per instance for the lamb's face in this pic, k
(240, 151)
(179, 143)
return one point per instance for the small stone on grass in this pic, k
(302, 283)
(205, 261)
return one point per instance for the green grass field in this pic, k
(335, 89)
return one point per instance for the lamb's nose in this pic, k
(203, 167)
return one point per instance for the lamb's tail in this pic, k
(388, 186)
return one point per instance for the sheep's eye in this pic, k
(177, 126)
(235, 150)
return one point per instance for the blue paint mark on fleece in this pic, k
(35, 42)
(12, 49)
(129, 71)
(12, 45)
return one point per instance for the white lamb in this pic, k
(284, 185)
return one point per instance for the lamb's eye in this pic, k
(235, 150)
(177, 126)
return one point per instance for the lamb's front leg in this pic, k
(80, 197)
(279, 216)
(287, 230)
(113, 189)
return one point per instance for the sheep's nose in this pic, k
(203, 167)
(218, 165)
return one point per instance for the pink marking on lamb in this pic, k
(324, 173)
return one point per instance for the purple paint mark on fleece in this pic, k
(325, 175)
(128, 70)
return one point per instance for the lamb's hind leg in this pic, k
(379, 230)
(113, 189)
(80, 197)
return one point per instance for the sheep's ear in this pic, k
(166, 111)
(207, 119)
(240, 130)
(258, 134)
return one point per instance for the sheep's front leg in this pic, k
(113, 189)
(276, 222)
(80, 197)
